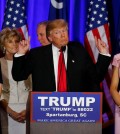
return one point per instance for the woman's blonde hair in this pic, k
(8, 33)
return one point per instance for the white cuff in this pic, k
(109, 55)
(18, 55)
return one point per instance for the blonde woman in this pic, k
(14, 94)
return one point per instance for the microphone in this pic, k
(63, 48)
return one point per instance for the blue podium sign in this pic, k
(66, 107)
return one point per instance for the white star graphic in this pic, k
(92, 19)
(99, 22)
(89, 9)
(7, 23)
(12, 2)
(101, 15)
(104, 2)
(10, 9)
(91, 2)
(15, 18)
(22, 14)
(16, 11)
(94, 12)
(106, 18)
(97, 6)
(90, 25)
(18, 5)
(103, 9)
(23, 7)
(9, 15)
(21, 21)
(13, 25)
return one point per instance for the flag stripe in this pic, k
(108, 36)
(88, 48)
(91, 40)
(25, 31)
(20, 30)
(102, 33)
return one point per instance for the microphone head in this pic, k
(63, 48)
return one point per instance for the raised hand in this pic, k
(24, 46)
(101, 46)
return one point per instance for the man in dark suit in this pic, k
(41, 62)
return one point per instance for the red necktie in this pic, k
(62, 80)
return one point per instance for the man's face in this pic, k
(59, 37)
(41, 34)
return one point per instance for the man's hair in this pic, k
(58, 23)
(43, 23)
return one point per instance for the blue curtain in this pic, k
(37, 11)
(115, 31)
(77, 19)
(2, 8)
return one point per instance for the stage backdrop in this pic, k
(38, 10)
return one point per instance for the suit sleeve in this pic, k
(21, 68)
(91, 75)
(102, 66)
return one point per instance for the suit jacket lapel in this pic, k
(70, 66)
(50, 66)
(71, 59)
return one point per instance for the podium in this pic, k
(64, 113)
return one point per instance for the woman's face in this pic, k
(11, 45)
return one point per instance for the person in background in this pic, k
(42, 62)
(41, 33)
(114, 87)
(0, 95)
(0, 81)
(115, 90)
(14, 93)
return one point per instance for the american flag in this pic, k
(97, 25)
(15, 17)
